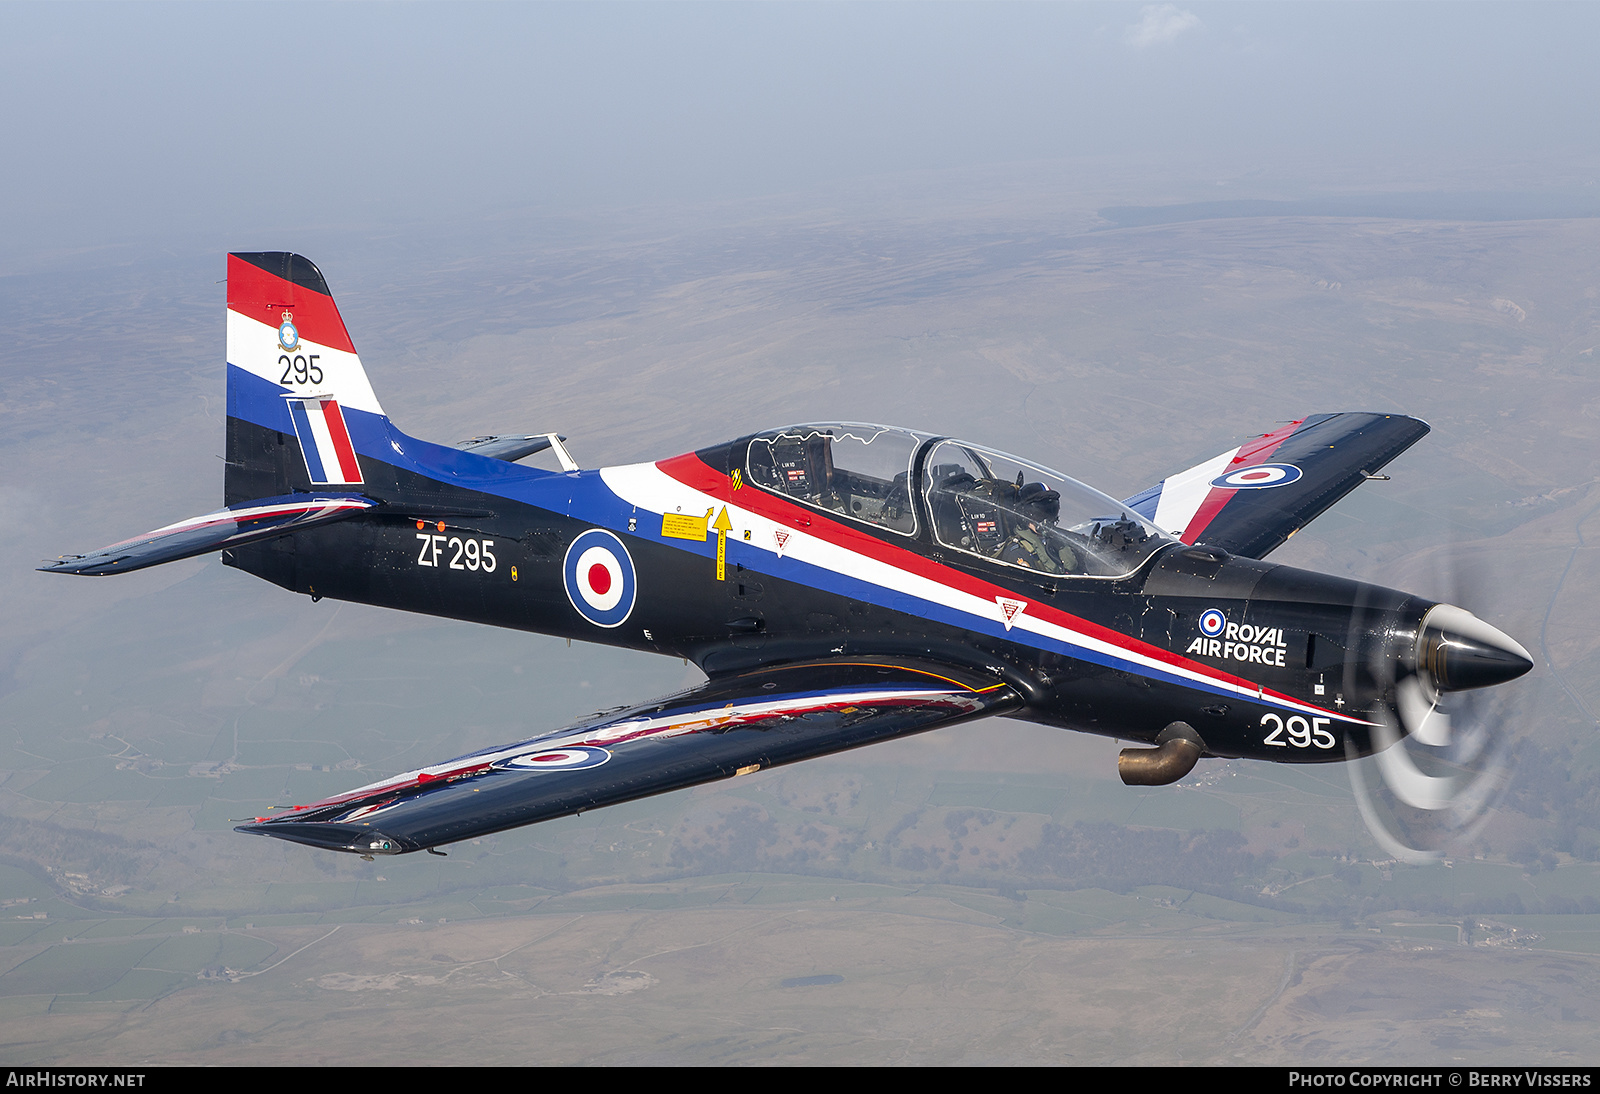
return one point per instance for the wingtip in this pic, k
(62, 566)
(355, 840)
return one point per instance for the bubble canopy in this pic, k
(976, 500)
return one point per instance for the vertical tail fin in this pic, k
(296, 388)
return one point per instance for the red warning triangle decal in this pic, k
(1010, 609)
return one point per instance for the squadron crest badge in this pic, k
(288, 337)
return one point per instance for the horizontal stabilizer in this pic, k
(510, 448)
(246, 522)
(731, 725)
(1252, 498)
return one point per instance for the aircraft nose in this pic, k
(1459, 651)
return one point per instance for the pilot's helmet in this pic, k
(1039, 503)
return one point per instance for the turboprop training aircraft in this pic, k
(839, 584)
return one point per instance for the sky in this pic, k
(136, 121)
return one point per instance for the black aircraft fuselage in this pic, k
(1286, 632)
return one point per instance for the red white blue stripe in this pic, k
(325, 442)
(1185, 504)
(828, 555)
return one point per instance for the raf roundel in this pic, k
(1212, 622)
(1258, 477)
(575, 758)
(599, 577)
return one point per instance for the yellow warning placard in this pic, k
(722, 525)
(684, 526)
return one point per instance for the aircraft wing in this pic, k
(246, 522)
(1250, 499)
(731, 725)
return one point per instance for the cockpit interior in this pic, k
(975, 500)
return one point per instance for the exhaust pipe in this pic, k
(1179, 747)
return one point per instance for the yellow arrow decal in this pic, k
(722, 525)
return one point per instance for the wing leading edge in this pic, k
(731, 725)
(1249, 500)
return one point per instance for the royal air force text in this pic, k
(1242, 642)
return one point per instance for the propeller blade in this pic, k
(1445, 756)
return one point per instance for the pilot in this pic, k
(1030, 544)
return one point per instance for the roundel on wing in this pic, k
(574, 758)
(599, 578)
(1258, 477)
